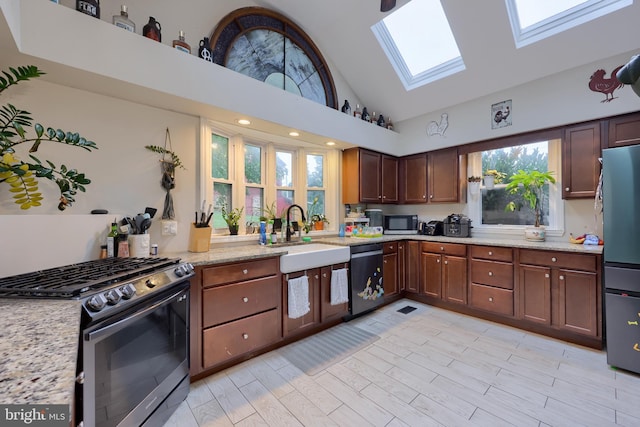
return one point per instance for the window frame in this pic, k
(556, 225)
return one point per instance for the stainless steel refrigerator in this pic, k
(621, 201)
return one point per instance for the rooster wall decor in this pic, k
(598, 83)
(435, 128)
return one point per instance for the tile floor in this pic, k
(430, 367)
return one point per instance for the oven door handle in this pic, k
(114, 327)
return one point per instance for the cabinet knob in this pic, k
(391, 247)
(446, 262)
(566, 189)
(546, 275)
(490, 299)
(561, 277)
(317, 277)
(424, 196)
(490, 253)
(490, 273)
(431, 196)
(245, 299)
(554, 259)
(384, 197)
(385, 261)
(245, 271)
(245, 336)
(442, 248)
(324, 274)
(438, 260)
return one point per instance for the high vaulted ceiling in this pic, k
(342, 31)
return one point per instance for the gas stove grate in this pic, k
(72, 280)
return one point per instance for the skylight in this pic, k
(419, 43)
(534, 20)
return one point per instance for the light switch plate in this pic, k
(169, 227)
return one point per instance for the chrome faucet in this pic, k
(289, 221)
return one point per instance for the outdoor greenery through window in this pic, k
(220, 172)
(315, 187)
(254, 190)
(502, 164)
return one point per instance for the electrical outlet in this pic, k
(169, 228)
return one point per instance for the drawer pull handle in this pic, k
(490, 253)
(554, 259)
(490, 299)
(245, 336)
(546, 275)
(245, 271)
(561, 277)
(490, 273)
(245, 299)
(441, 248)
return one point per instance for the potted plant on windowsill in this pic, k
(474, 184)
(232, 218)
(318, 221)
(530, 185)
(492, 177)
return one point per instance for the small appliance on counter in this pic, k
(376, 219)
(432, 228)
(457, 225)
(401, 224)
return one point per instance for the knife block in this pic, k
(199, 238)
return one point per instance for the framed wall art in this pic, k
(501, 114)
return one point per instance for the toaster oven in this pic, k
(433, 228)
(457, 225)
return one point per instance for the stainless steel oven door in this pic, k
(134, 360)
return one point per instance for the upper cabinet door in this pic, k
(413, 179)
(624, 130)
(580, 165)
(443, 176)
(370, 166)
(389, 179)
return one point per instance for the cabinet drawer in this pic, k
(495, 253)
(558, 259)
(492, 273)
(236, 272)
(390, 247)
(445, 248)
(233, 339)
(489, 298)
(223, 304)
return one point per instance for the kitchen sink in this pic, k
(311, 255)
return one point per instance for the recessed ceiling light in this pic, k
(294, 133)
(331, 143)
(244, 122)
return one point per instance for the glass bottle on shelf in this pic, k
(123, 20)
(365, 115)
(358, 112)
(389, 123)
(180, 44)
(374, 118)
(152, 30)
(89, 7)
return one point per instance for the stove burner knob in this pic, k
(183, 269)
(113, 296)
(128, 291)
(97, 302)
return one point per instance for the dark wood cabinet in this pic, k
(402, 262)
(390, 269)
(491, 284)
(329, 312)
(443, 271)
(561, 290)
(581, 150)
(444, 181)
(369, 177)
(413, 179)
(312, 318)
(412, 266)
(624, 130)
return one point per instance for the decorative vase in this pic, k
(474, 187)
(319, 225)
(233, 230)
(535, 234)
(489, 181)
(152, 30)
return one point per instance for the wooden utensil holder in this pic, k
(199, 238)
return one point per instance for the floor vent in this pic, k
(406, 310)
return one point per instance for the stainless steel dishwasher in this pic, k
(366, 291)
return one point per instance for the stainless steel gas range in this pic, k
(133, 361)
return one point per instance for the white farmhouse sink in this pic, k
(312, 255)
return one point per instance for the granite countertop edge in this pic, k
(227, 254)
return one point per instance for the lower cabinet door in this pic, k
(431, 274)
(489, 298)
(578, 311)
(455, 279)
(535, 293)
(233, 339)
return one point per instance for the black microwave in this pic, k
(401, 224)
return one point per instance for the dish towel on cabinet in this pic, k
(339, 286)
(298, 301)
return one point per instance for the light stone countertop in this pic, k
(39, 350)
(224, 254)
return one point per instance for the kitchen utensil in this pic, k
(151, 211)
(144, 226)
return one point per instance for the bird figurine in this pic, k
(598, 83)
(435, 128)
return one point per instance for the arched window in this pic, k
(267, 46)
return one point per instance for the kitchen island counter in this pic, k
(39, 350)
